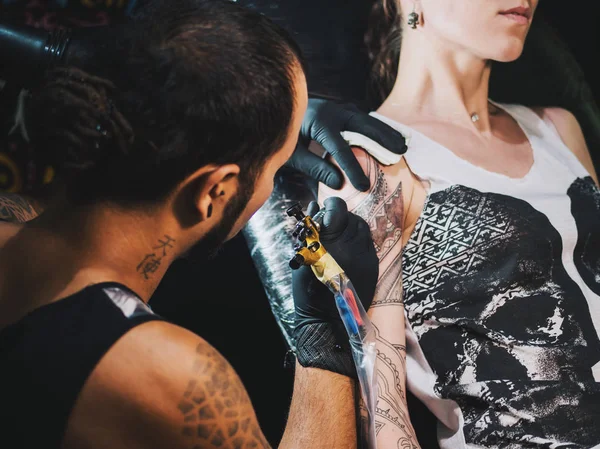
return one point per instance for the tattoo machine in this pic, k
(309, 251)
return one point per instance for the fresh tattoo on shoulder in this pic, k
(383, 209)
(151, 261)
(215, 408)
(367, 207)
(17, 208)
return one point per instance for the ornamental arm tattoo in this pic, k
(383, 208)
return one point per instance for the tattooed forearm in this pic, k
(392, 419)
(216, 410)
(17, 208)
(391, 414)
(389, 286)
(383, 209)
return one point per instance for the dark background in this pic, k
(579, 28)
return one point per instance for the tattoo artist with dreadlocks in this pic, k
(26, 51)
(145, 178)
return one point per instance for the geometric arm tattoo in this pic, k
(383, 209)
(17, 209)
(216, 410)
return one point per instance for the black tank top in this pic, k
(46, 357)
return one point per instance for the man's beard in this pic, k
(212, 242)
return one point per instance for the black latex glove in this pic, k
(321, 339)
(323, 122)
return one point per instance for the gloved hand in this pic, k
(323, 122)
(320, 337)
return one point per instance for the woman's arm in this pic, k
(384, 207)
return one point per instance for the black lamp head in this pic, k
(28, 52)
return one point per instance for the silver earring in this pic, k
(413, 19)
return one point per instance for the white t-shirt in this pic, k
(501, 281)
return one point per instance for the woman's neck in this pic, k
(439, 83)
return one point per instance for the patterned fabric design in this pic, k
(505, 329)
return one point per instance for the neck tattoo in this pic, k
(152, 261)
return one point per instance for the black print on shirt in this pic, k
(585, 208)
(505, 329)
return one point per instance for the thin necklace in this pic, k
(492, 110)
(474, 116)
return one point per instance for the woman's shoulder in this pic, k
(561, 120)
(545, 113)
(556, 115)
(391, 187)
(560, 124)
(566, 126)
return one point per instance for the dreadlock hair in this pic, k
(95, 127)
(195, 82)
(383, 39)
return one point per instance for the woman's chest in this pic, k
(507, 153)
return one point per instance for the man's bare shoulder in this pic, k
(163, 386)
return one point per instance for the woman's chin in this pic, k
(510, 52)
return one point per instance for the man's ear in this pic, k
(204, 193)
(212, 188)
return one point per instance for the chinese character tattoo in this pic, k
(151, 262)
